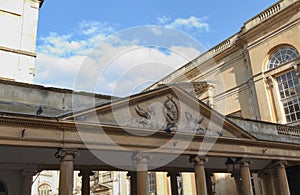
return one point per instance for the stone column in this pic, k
(245, 177)
(200, 178)
(85, 181)
(27, 175)
(271, 182)
(282, 178)
(133, 182)
(173, 178)
(140, 161)
(263, 183)
(66, 170)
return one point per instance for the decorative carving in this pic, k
(199, 160)
(171, 111)
(166, 116)
(280, 163)
(152, 116)
(243, 162)
(143, 113)
(62, 153)
(140, 161)
(269, 81)
(149, 118)
(194, 123)
(85, 173)
(296, 68)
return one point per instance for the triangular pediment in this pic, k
(169, 108)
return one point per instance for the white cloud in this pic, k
(118, 67)
(90, 27)
(186, 24)
(163, 19)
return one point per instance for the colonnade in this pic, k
(138, 178)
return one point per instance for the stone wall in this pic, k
(27, 98)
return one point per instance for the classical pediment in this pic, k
(169, 108)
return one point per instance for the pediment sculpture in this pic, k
(166, 116)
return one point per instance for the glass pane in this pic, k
(293, 116)
(289, 90)
(288, 118)
(297, 108)
(281, 56)
(298, 115)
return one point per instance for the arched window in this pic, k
(287, 82)
(44, 189)
(281, 56)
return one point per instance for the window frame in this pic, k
(271, 76)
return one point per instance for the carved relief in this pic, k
(165, 116)
(149, 118)
(194, 123)
(171, 111)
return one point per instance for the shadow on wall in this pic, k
(293, 174)
(3, 188)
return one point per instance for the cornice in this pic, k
(18, 51)
(247, 33)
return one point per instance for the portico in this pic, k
(79, 145)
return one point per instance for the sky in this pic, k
(119, 47)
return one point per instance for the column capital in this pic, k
(173, 174)
(280, 163)
(296, 68)
(243, 162)
(85, 173)
(61, 153)
(140, 161)
(131, 173)
(139, 156)
(270, 81)
(198, 160)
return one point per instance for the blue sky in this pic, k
(69, 30)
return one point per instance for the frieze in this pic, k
(167, 116)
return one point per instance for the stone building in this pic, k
(224, 123)
(254, 74)
(18, 38)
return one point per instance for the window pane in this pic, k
(298, 115)
(289, 90)
(293, 116)
(281, 56)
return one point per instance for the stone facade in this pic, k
(19, 19)
(237, 78)
(237, 67)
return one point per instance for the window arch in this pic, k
(44, 189)
(286, 83)
(281, 56)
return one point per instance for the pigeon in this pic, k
(39, 111)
